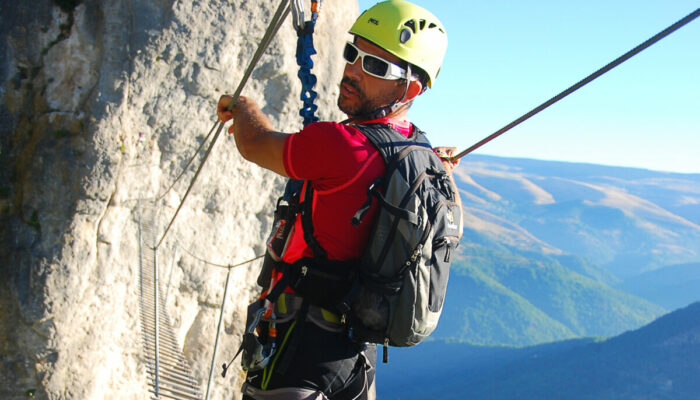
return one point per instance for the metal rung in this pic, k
(169, 340)
(175, 370)
(149, 316)
(167, 353)
(164, 335)
(166, 332)
(174, 394)
(150, 319)
(173, 374)
(176, 386)
(164, 345)
(170, 363)
(164, 352)
(148, 313)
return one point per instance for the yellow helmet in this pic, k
(407, 31)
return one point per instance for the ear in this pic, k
(415, 88)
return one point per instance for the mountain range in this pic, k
(658, 361)
(572, 281)
(554, 250)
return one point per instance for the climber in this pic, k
(395, 56)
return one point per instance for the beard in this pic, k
(362, 104)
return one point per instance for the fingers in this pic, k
(446, 153)
(222, 109)
(225, 116)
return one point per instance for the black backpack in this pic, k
(394, 294)
(404, 270)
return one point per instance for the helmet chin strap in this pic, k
(386, 110)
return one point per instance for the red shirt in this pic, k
(341, 163)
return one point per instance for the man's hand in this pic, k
(247, 116)
(252, 130)
(446, 154)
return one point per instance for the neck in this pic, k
(399, 113)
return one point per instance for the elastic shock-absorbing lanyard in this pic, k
(305, 49)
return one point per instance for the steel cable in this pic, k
(584, 81)
(280, 15)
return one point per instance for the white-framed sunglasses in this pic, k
(373, 65)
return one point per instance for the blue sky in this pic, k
(506, 57)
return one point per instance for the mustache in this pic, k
(350, 83)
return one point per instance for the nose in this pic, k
(355, 69)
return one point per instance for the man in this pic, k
(396, 54)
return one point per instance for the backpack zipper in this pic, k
(445, 241)
(385, 352)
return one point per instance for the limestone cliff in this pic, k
(103, 104)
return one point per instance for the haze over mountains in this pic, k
(658, 361)
(624, 220)
(557, 250)
(558, 257)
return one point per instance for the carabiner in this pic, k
(256, 320)
(315, 9)
(298, 14)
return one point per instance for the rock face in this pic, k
(103, 105)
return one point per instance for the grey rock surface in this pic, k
(103, 104)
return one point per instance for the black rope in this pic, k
(583, 82)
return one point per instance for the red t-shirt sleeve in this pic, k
(327, 153)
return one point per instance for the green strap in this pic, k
(267, 372)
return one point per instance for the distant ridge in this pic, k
(555, 250)
(564, 255)
(659, 361)
(671, 287)
(574, 167)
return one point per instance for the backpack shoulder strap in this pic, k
(306, 210)
(389, 142)
(393, 146)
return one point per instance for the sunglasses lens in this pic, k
(370, 64)
(350, 53)
(374, 65)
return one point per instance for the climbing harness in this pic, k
(286, 211)
(259, 341)
(582, 82)
(262, 354)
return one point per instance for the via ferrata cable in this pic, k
(280, 15)
(583, 82)
(187, 166)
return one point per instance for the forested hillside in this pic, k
(556, 250)
(658, 361)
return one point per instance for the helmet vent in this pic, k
(405, 35)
